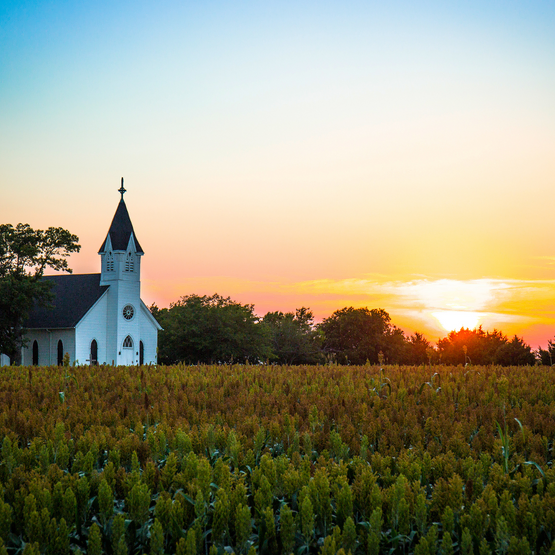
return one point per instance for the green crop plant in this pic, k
(431, 383)
(382, 382)
(277, 459)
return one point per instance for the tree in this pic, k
(515, 353)
(484, 348)
(293, 337)
(24, 255)
(417, 349)
(355, 335)
(475, 346)
(210, 330)
(547, 357)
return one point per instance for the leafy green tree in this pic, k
(481, 346)
(547, 356)
(209, 330)
(515, 353)
(355, 335)
(394, 346)
(417, 347)
(24, 255)
(294, 338)
(484, 348)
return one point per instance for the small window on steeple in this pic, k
(110, 262)
(129, 262)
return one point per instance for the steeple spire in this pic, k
(121, 189)
(121, 228)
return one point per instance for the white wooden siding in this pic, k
(48, 346)
(149, 336)
(93, 326)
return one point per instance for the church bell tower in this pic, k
(121, 254)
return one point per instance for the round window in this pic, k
(128, 312)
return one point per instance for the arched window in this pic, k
(128, 342)
(94, 352)
(141, 353)
(60, 353)
(129, 262)
(35, 353)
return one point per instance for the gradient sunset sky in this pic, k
(395, 155)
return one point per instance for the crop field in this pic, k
(277, 460)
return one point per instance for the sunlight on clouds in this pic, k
(454, 320)
(455, 304)
(456, 295)
(452, 303)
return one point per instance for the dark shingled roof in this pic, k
(121, 229)
(74, 295)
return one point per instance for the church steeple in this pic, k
(121, 229)
(120, 256)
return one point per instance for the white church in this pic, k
(97, 318)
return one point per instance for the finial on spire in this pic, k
(121, 189)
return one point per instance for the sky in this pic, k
(395, 155)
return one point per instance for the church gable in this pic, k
(147, 315)
(149, 335)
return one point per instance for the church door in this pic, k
(94, 353)
(127, 358)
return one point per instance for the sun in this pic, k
(454, 320)
(455, 304)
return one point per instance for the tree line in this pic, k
(216, 329)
